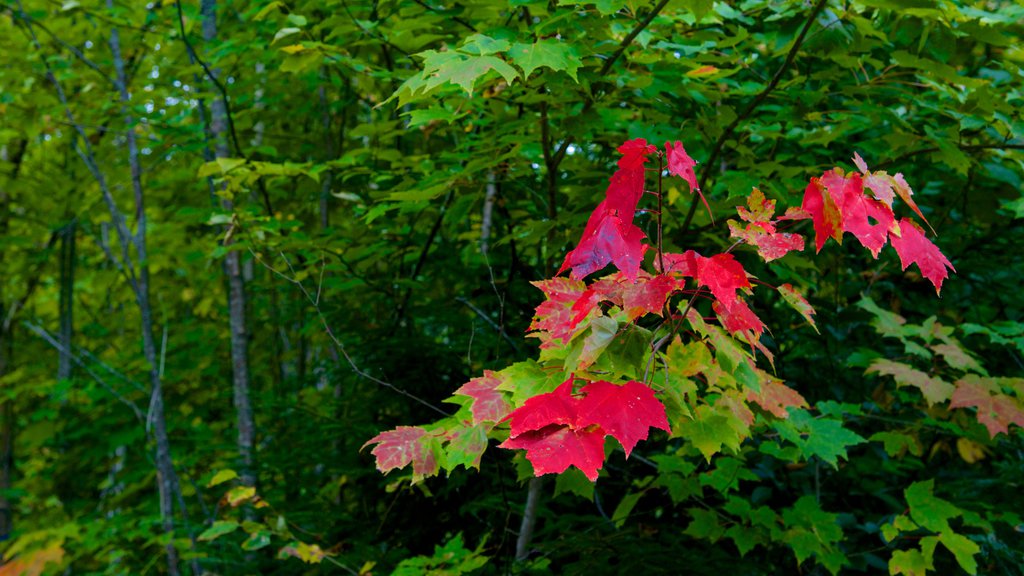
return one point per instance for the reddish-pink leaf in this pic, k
(858, 210)
(403, 446)
(554, 316)
(624, 192)
(824, 212)
(776, 397)
(553, 449)
(738, 318)
(996, 411)
(647, 295)
(634, 153)
(613, 240)
(914, 248)
(684, 264)
(489, 404)
(557, 407)
(723, 275)
(624, 412)
(680, 164)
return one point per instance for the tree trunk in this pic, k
(236, 282)
(167, 478)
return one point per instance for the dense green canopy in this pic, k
(240, 239)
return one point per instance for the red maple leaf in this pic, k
(723, 275)
(553, 449)
(612, 241)
(559, 430)
(996, 411)
(824, 212)
(857, 210)
(625, 412)
(557, 407)
(684, 264)
(403, 446)
(738, 318)
(914, 248)
(681, 164)
(489, 404)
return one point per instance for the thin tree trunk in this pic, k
(167, 478)
(529, 519)
(236, 283)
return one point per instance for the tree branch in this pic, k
(728, 132)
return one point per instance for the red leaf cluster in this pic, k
(837, 203)
(559, 430)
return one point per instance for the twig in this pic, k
(42, 333)
(487, 319)
(330, 333)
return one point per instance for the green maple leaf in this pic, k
(963, 549)
(911, 562)
(822, 437)
(552, 53)
(927, 510)
(709, 431)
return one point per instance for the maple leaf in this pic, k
(738, 318)
(645, 295)
(559, 430)
(614, 241)
(776, 397)
(935, 390)
(760, 230)
(557, 407)
(684, 264)
(723, 275)
(489, 404)
(771, 245)
(914, 248)
(824, 213)
(858, 210)
(798, 302)
(555, 315)
(883, 185)
(681, 164)
(550, 52)
(553, 449)
(996, 411)
(403, 446)
(625, 412)
(624, 191)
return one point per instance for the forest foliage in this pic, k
(547, 264)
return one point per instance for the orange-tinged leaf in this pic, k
(489, 403)
(934, 389)
(403, 446)
(996, 411)
(702, 71)
(777, 398)
(798, 302)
